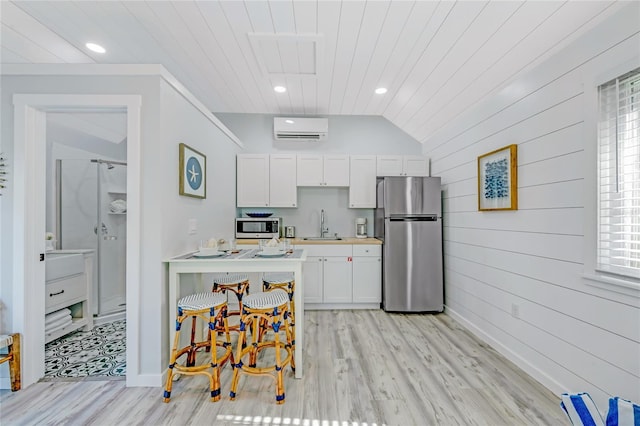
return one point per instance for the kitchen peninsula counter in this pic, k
(300, 241)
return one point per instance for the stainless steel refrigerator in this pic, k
(408, 219)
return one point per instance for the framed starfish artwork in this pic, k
(193, 172)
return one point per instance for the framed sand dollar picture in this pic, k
(193, 172)
(498, 180)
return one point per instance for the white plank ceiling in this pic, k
(437, 59)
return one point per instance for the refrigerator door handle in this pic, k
(423, 218)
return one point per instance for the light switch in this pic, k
(193, 226)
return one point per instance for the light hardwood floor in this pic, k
(361, 368)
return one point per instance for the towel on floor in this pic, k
(581, 409)
(623, 413)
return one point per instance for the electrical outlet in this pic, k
(515, 310)
(193, 226)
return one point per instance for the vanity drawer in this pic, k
(62, 293)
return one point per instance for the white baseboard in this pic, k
(539, 375)
(145, 380)
(339, 306)
(5, 383)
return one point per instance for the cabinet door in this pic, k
(389, 165)
(415, 165)
(362, 183)
(312, 279)
(336, 170)
(338, 279)
(309, 170)
(283, 191)
(252, 180)
(367, 279)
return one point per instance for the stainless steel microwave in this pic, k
(258, 227)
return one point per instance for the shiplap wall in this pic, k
(569, 335)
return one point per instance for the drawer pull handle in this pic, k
(55, 294)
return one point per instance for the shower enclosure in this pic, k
(91, 214)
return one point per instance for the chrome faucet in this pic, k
(323, 229)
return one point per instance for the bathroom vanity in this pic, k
(69, 283)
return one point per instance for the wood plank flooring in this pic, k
(361, 368)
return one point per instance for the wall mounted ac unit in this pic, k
(300, 129)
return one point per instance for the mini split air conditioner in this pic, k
(300, 129)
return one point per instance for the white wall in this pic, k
(347, 135)
(214, 215)
(570, 335)
(166, 120)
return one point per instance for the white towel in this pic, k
(54, 316)
(62, 322)
(118, 206)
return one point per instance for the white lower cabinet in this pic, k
(312, 272)
(337, 280)
(367, 274)
(342, 276)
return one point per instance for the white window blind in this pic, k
(619, 175)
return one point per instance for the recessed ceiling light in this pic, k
(381, 90)
(95, 48)
(280, 89)
(288, 121)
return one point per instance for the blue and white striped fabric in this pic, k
(270, 299)
(623, 413)
(581, 409)
(227, 278)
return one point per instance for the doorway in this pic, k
(86, 213)
(30, 112)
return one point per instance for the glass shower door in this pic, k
(92, 215)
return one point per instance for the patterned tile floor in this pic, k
(96, 353)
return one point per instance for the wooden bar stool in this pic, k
(12, 343)
(235, 283)
(284, 281)
(272, 309)
(210, 307)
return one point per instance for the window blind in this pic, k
(619, 175)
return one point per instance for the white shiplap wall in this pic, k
(569, 335)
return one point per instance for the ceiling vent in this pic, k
(300, 129)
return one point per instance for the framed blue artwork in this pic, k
(498, 180)
(193, 172)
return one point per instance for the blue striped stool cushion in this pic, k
(581, 409)
(269, 299)
(623, 413)
(277, 277)
(227, 278)
(199, 301)
(5, 340)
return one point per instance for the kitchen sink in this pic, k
(322, 238)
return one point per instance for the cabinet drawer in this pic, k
(326, 249)
(62, 293)
(367, 250)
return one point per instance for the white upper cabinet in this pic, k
(415, 165)
(266, 180)
(283, 191)
(322, 170)
(362, 188)
(402, 165)
(252, 180)
(336, 170)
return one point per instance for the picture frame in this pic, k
(192, 172)
(498, 179)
